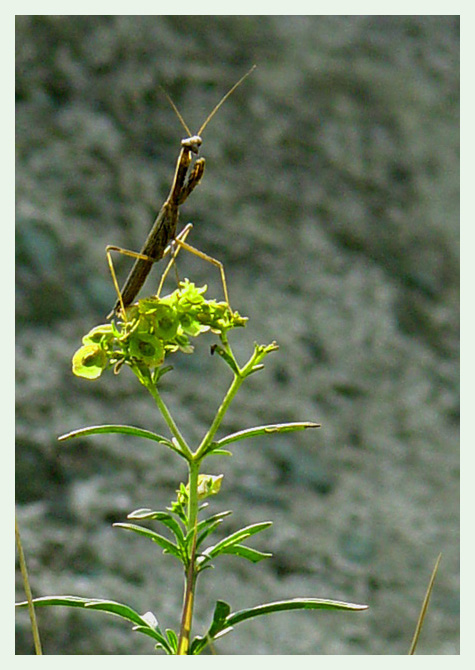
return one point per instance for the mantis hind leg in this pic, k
(173, 248)
(125, 252)
(180, 243)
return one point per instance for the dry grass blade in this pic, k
(26, 583)
(424, 607)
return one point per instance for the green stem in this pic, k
(239, 377)
(190, 572)
(194, 467)
(170, 422)
(223, 408)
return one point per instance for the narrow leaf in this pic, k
(211, 519)
(229, 359)
(236, 538)
(124, 430)
(217, 628)
(111, 428)
(206, 527)
(161, 640)
(247, 552)
(163, 517)
(118, 609)
(172, 639)
(167, 546)
(207, 531)
(108, 606)
(293, 604)
(264, 430)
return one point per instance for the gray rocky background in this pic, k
(331, 194)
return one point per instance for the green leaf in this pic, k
(116, 428)
(223, 621)
(217, 628)
(163, 517)
(207, 526)
(168, 547)
(124, 430)
(255, 368)
(116, 608)
(142, 623)
(172, 639)
(293, 604)
(161, 644)
(264, 430)
(247, 552)
(211, 519)
(237, 537)
(225, 356)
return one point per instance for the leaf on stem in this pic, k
(207, 526)
(124, 430)
(146, 624)
(248, 553)
(163, 517)
(218, 628)
(263, 430)
(225, 356)
(227, 545)
(115, 428)
(167, 546)
(292, 604)
(224, 621)
(172, 639)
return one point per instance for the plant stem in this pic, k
(238, 379)
(170, 422)
(194, 469)
(223, 408)
(190, 573)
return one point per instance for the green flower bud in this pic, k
(191, 326)
(160, 318)
(89, 361)
(148, 349)
(166, 322)
(208, 485)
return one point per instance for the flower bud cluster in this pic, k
(153, 329)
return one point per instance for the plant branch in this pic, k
(223, 408)
(187, 453)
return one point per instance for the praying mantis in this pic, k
(162, 236)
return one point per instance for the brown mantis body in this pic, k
(163, 231)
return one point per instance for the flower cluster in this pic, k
(153, 328)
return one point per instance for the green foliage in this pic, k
(152, 330)
(223, 619)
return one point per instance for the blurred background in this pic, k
(331, 194)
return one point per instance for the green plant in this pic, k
(153, 329)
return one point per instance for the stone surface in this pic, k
(331, 194)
